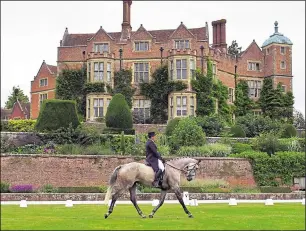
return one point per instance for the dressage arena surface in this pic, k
(207, 216)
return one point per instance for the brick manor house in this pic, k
(183, 49)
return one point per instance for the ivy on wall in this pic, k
(158, 91)
(243, 103)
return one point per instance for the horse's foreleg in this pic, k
(133, 199)
(111, 207)
(179, 197)
(162, 199)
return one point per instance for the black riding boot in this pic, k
(157, 176)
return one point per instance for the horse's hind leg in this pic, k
(162, 199)
(133, 199)
(114, 199)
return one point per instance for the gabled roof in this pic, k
(182, 26)
(24, 107)
(141, 29)
(245, 51)
(52, 69)
(160, 35)
(101, 30)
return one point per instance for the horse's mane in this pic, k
(179, 158)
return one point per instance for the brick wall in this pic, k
(39, 170)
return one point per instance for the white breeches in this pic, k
(161, 165)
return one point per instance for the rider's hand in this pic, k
(163, 160)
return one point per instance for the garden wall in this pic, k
(69, 171)
(147, 196)
(23, 138)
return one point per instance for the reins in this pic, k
(182, 170)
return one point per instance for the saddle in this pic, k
(160, 179)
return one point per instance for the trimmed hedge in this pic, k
(18, 125)
(277, 170)
(210, 150)
(241, 147)
(289, 131)
(56, 114)
(118, 113)
(237, 131)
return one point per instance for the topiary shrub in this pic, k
(55, 114)
(187, 133)
(237, 131)
(289, 131)
(118, 113)
(171, 126)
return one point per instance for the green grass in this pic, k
(206, 217)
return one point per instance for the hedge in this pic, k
(55, 114)
(18, 125)
(210, 150)
(277, 170)
(118, 113)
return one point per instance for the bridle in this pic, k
(182, 170)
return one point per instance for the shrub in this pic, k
(5, 187)
(18, 125)
(212, 125)
(241, 147)
(276, 170)
(266, 142)
(118, 113)
(254, 125)
(187, 133)
(4, 125)
(48, 188)
(103, 189)
(55, 114)
(28, 149)
(237, 131)
(171, 126)
(22, 188)
(215, 150)
(290, 144)
(267, 189)
(289, 131)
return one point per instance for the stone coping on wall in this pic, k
(112, 156)
(148, 196)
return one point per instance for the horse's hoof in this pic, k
(105, 216)
(190, 216)
(143, 216)
(150, 216)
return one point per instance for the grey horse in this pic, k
(125, 177)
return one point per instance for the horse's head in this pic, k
(191, 169)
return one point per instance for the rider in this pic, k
(154, 158)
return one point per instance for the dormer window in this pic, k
(101, 47)
(182, 44)
(43, 82)
(253, 66)
(141, 46)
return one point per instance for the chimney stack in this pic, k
(219, 34)
(126, 24)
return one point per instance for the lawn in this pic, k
(206, 217)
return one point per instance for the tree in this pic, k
(275, 103)
(233, 49)
(243, 103)
(17, 93)
(70, 86)
(203, 85)
(158, 91)
(122, 84)
(118, 113)
(298, 119)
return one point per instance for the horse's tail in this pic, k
(112, 181)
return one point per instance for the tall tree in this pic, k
(17, 93)
(123, 85)
(203, 85)
(158, 91)
(233, 49)
(298, 119)
(243, 103)
(70, 86)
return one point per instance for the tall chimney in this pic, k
(219, 34)
(126, 24)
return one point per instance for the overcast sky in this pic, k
(31, 31)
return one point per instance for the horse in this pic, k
(125, 177)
